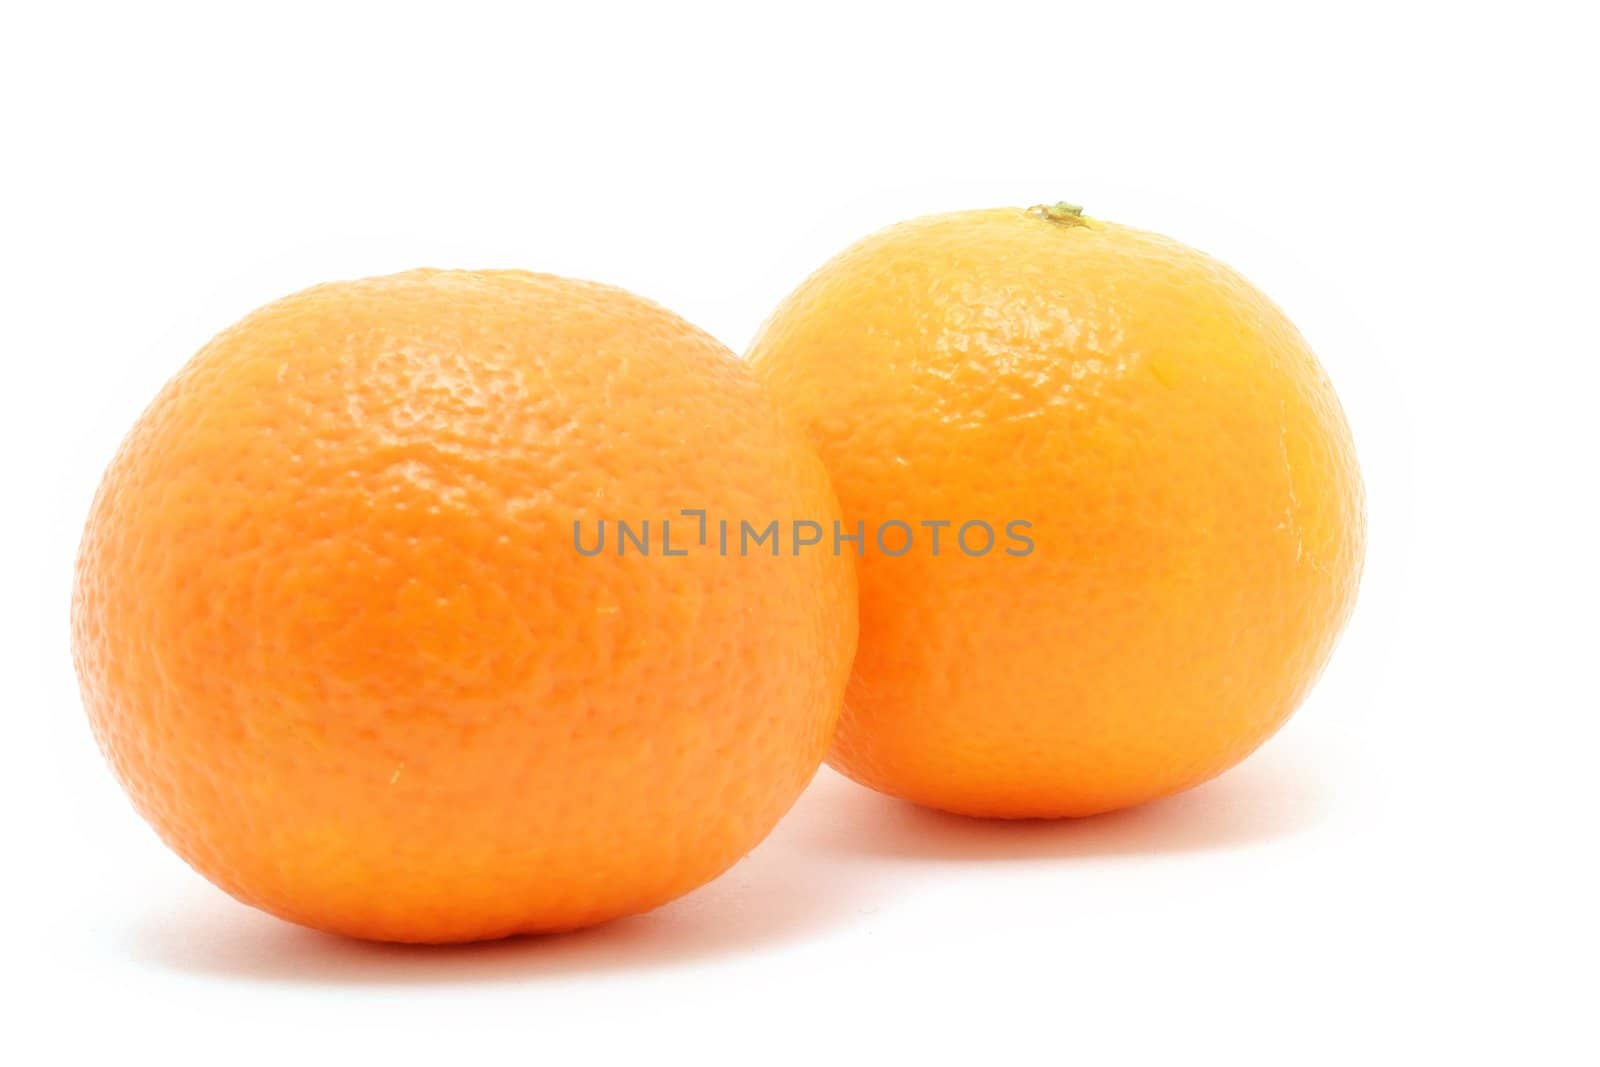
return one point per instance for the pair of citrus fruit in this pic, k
(425, 607)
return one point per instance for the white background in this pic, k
(1404, 874)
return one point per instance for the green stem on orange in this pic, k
(1061, 213)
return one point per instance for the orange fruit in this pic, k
(1190, 511)
(335, 635)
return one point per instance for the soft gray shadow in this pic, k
(1267, 797)
(838, 857)
(777, 893)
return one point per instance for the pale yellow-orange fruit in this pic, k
(1195, 506)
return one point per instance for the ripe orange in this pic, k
(335, 637)
(1195, 507)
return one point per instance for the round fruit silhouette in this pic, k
(343, 631)
(1190, 510)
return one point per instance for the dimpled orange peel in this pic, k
(1190, 487)
(335, 636)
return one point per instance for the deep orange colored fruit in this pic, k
(335, 637)
(1195, 507)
